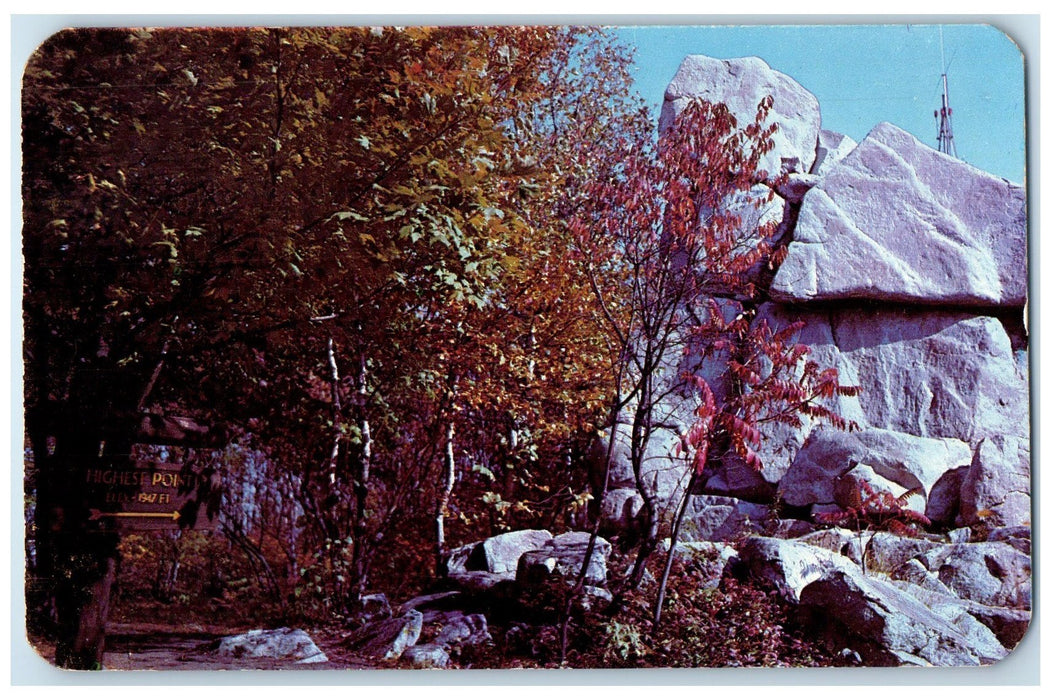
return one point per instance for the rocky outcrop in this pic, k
(909, 268)
(906, 461)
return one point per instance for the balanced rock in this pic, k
(897, 221)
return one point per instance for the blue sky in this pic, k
(864, 75)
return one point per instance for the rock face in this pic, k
(935, 384)
(740, 84)
(897, 221)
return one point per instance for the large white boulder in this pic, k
(740, 84)
(284, 643)
(897, 221)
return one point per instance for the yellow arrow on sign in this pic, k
(96, 514)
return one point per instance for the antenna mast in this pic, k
(943, 118)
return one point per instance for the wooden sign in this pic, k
(152, 496)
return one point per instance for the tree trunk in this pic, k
(578, 587)
(658, 605)
(449, 476)
(641, 429)
(76, 560)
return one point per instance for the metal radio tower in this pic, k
(944, 116)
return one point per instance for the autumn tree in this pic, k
(334, 245)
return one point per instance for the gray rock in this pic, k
(663, 471)
(926, 374)
(374, 606)
(707, 559)
(790, 565)
(953, 235)
(620, 511)
(990, 573)
(995, 490)
(796, 185)
(459, 629)
(431, 602)
(480, 581)
(496, 555)
(898, 460)
(943, 502)
(1020, 537)
(563, 556)
(426, 656)
(723, 519)
(890, 627)
(844, 542)
(387, 639)
(740, 84)
(831, 148)
(1009, 625)
(284, 643)
(884, 624)
(861, 488)
(886, 551)
(760, 215)
(502, 552)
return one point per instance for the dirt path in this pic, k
(151, 648)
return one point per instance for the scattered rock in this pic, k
(563, 556)
(707, 559)
(723, 519)
(1020, 537)
(426, 656)
(459, 629)
(884, 624)
(991, 573)
(283, 643)
(387, 639)
(374, 606)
